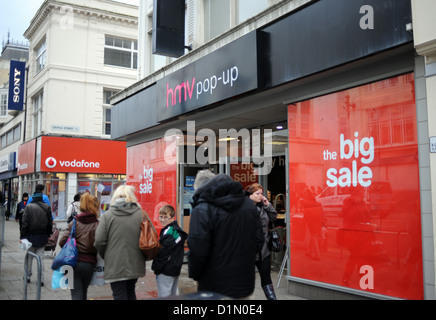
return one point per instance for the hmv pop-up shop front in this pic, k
(345, 99)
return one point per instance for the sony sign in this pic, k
(16, 85)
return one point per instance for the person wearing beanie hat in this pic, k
(20, 208)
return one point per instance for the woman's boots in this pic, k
(269, 292)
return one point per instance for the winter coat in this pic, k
(37, 222)
(86, 224)
(169, 259)
(267, 214)
(117, 242)
(224, 236)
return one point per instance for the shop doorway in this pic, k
(187, 174)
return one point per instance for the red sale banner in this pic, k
(354, 188)
(152, 170)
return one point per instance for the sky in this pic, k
(15, 17)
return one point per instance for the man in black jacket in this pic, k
(225, 234)
(36, 227)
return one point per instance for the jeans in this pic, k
(167, 286)
(124, 290)
(83, 272)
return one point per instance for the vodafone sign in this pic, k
(82, 155)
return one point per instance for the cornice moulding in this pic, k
(49, 7)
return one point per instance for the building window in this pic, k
(11, 136)
(3, 105)
(121, 52)
(248, 8)
(221, 15)
(37, 103)
(40, 57)
(107, 93)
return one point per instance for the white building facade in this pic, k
(81, 53)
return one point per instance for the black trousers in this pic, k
(264, 268)
(83, 272)
(124, 290)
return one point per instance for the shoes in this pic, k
(269, 292)
(42, 283)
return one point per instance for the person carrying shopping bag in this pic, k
(86, 226)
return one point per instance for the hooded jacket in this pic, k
(225, 235)
(117, 242)
(169, 259)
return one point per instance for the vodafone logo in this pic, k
(50, 162)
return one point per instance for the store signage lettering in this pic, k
(16, 88)
(356, 150)
(227, 72)
(208, 85)
(147, 177)
(52, 163)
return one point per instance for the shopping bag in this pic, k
(148, 240)
(68, 254)
(60, 279)
(98, 275)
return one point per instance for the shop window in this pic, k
(121, 52)
(101, 186)
(354, 190)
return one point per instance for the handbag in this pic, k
(68, 254)
(148, 240)
(274, 240)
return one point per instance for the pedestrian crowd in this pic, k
(228, 239)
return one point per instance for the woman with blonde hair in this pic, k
(86, 224)
(117, 242)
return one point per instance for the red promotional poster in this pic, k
(354, 187)
(244, 173)
(152, 170)
(26, 158)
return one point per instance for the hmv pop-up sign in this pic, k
(222, 74)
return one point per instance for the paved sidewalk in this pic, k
(12, 271)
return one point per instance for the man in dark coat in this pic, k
(36, 227)
(225, 234)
